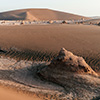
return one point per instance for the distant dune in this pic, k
(38, 14)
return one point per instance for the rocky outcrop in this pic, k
(74, 74)
(67, 62)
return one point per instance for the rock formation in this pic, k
(67, 62)
(73, 73)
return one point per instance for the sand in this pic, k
(38, 14)
(22, 75)
(80, 38)
(10, 94)
(51, 37)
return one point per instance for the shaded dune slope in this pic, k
(38, 14)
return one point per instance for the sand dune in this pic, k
(51, 37)
(83, 40)
(38, 14)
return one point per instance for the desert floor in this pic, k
(80, 39)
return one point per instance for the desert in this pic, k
(49, 55)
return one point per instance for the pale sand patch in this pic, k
(9, 94)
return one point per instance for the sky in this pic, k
(81, 7)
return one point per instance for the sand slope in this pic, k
(38, 14)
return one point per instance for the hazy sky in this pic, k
(81, 7)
